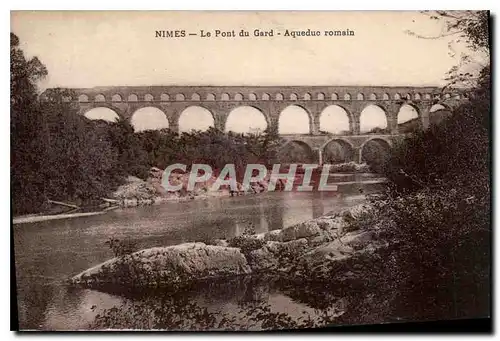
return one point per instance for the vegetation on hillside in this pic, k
(60, 155)
(437, 211)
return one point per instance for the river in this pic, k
(47, 253)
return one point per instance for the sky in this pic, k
(86, 49)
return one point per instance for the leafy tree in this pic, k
(437, 211)
(132, 158)
(27, 150)
(463, 28)
(56, 153)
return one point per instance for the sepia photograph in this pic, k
(249, 170)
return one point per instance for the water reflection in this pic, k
(245, 303)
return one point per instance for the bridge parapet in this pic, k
(261, 93)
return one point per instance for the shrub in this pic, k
(246, 244)
(121, 248)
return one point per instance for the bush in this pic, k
(453, 154)
(121, 247)
(246, 244)
(436, 215)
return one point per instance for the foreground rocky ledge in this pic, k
(303, 250)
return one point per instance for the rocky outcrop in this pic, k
(170, 266)
(138, 192)
(312, 249)
(350, 167)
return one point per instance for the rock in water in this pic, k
(170, 266)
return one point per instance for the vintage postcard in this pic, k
(200, 171)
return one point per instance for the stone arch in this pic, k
(427, 96)
(335, 119)
(116, 98)
(43, 96)
(279, 96)
(210, 97)
(196, 117)
(438, 106)
(294, 119)
(180, 97)
(252, 96)
(360, 97)
(338, 151)
(132, 98)
(376, 122)
(164, 97)
(375, 152)
(294, 97)
(408, 96)
(373, 97)
(417, 96)
(266, 96)
(385, 96)
(334, 97)
(224, 96)
(347, 97)
(195, 97)
(245, 119)
(238, 97)
(99, 98)
(397, 96)
(153, 118)
(307, 96)
(148, 98)
(408, 118)
(321, 96)
(438, 112)
(83, 98)
(296, 151)
(102, 112)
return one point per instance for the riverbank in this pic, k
(137, 192)
(311, 248)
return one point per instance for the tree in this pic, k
(81, 160)
(132, 158)
(463, 28)
(55, 153)
(27, 148)
(449, 154)
(439, 206)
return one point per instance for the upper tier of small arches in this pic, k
(319, 96)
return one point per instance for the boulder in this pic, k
(136, 189)
(302, 230)
(292, 248)
(221, 242)
(132, 178)
(361, 239)
(272, 246)
(262, 259)
(274, 235)
(330, 223)
(330, 257)
(322, 238)
(170, 266)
